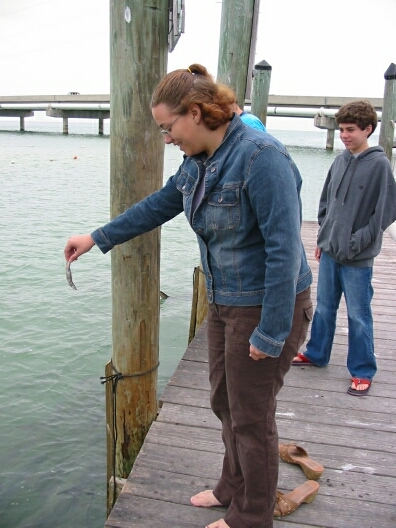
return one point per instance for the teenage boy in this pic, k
(357, 204)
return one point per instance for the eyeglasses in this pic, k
(168, 130)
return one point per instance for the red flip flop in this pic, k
(304, 361)
(359, 381)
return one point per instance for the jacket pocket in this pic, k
(185, 183)
(223, 208)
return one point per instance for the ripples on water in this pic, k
(56, 341)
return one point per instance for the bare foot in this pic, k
(205, 499)
(297, 359)
(218, 524)
(301, 358)
(359, 386)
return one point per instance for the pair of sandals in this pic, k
(304, 361)
(287, 503)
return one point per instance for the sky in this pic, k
(338, 48)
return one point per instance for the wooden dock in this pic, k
(354, 438)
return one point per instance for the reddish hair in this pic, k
(182, 88)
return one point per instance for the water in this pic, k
(56, 341)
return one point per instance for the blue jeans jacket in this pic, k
(247, 225)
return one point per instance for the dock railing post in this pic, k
(260, 92)
(388, 118)
(138, 60)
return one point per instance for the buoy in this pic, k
(75, 157)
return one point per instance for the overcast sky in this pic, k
(338, 48)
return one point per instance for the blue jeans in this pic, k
(335, 279)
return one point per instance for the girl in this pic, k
(240, 192)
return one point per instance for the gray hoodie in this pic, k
(357, 204)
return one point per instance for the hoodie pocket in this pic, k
(335, 238)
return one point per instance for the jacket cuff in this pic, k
(101, 240)
(266, 344)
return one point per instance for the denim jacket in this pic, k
(247, 224)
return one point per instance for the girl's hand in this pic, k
(256, 354)
(78, 245)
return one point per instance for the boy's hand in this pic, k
(78, 245)
(318, 252)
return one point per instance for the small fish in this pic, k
(69, 276)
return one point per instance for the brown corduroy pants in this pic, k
(243, 397)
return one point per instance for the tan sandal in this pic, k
(287, 503)
(294, 454)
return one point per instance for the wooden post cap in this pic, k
(263, 65)
(390, 72)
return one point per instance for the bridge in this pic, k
(97, 106)
(63, 106)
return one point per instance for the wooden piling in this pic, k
(237, 43)
(252, 49)
(237, 23)
(260, 92)
(388, 118)
(138, 60)
(199, 307)
(236, 50)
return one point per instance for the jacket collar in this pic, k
(236, 125)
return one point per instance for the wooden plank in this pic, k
(321, 408)
(334, 457)
(139, 512)
(163, 497)
(194, 375)
(148, 483)
(337, 432)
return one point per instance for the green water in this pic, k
(56, 341)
